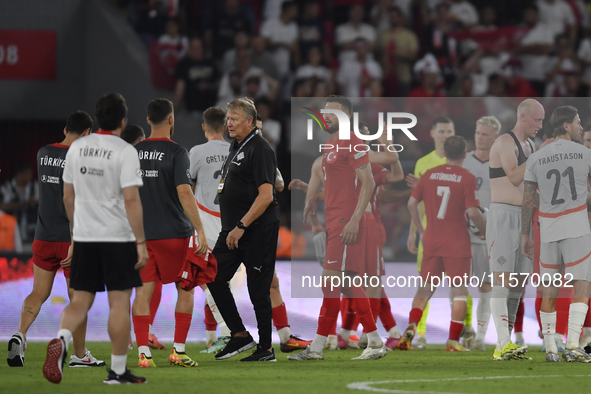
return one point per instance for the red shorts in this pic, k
(341, 257)
(208, 269)
(373, 248)
(166, 260)
(452, 266)
(48, 255)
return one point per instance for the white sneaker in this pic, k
(16, 350)
(306, 354)
(372, 353)
(87, 361)
(332, 342)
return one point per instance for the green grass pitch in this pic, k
(417, 371)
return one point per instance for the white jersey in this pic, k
(561, 170)
(206, 164)
(480, 170)
(100, 166)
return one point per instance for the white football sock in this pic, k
(483, 315)
(119, 364)
(284, 334)
(374, 340)
(345, 334)
(179, 347)
(548, 321)
(519, 337)
(318, 343)
(512, 306)
(210, 337)
(586, 338)
(145, 350)
(66, 335)
(213, 307)
(224, 330)
(498, 307)
(576, 318)
(394, 332)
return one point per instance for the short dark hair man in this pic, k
(250, 227)
(133, 134)
(102, 201)
(52, 240)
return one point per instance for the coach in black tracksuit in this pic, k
(250, 226)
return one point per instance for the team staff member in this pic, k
(52, 240)
(171, 215)
(250, 227)
(102, 201)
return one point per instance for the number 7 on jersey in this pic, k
(445, 192)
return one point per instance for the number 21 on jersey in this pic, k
(445, 192)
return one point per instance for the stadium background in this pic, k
(59, 56)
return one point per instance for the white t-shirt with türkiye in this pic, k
(100, 166)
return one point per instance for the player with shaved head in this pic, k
(508, 156)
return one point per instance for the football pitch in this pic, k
(417, 371)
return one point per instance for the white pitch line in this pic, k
(367, 386)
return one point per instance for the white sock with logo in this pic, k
(576, 318)
(482, 315)
(548, 321)
(498, 307)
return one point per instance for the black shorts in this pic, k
(99, 264)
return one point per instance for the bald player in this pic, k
(508, 156)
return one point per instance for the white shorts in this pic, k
(571, 254)
(503, 239)
(212, 226)
(480, 266)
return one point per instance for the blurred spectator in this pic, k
(223, 28)
(271, 128)
(584, 55)
(241, 40)
(282, 38)
(261, 58)
(488, 19)
(196, 80)
(348, 33)
(233, 88)
(563, 61)
(10, 238)
(464, 13)
(440, 44)
(380, 15)
(172, 47)
(314, 68)
(21, 199)
(497, 103)
(148, 18)
(355, 76)
(558, 15)
(312, 31)
(399, 48)
(517, 86)
(534, 49)
(272, 9)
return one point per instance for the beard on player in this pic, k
(333, 127)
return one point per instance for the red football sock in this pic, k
(141, 327)
(210, 323)
(587, 320)
(155, 301)
(538, 305)
(328, 315)
(280, 317)
(386, 313)
(518, 327)
(362, 308)
(455, 330)
(347, 314)
(562, 311)
(333, 330)
(415, 316)
(182, 323)
(375, 305)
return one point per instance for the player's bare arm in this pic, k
(279, 182)
(187, 199)
(413, 208)
(316, 180)
(69, 197)
(349, 234)
(263, 200)
(396, 173)
(135, 215)
(298, 184)
(507, 153)
(383, 156)
(478, 219)
(527, 207)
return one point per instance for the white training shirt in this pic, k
(100, 166)
(560, 170)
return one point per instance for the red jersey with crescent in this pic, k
(448, 191)
(341, 185)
